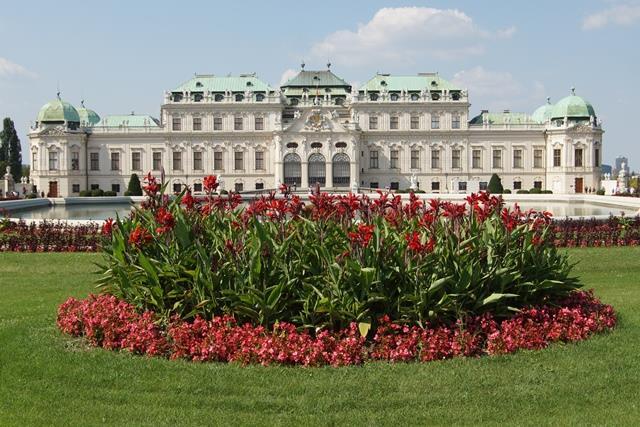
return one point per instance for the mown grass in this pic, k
(48, 378)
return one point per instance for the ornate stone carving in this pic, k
(317, 121)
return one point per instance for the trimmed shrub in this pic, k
(495, 185)
(535, 191)
(546, 192)
(85, 193)
(522, 192)
(600, 192)
(97, 192)
(134, 189)
(110, 193)
(506, 191)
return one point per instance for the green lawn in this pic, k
(48, 378)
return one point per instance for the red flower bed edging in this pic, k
(104, 321)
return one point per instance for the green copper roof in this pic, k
(572, 106)
(431, 81)
(211, 83)
(58, 111)
(316, 78)
(88, 117)
(543, 113)
(130, 120)
(504, 118)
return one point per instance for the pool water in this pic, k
(86, 212)
(110, 210)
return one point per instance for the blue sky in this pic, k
(120, 56)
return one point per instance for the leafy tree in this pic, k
(10, 150)
(134, 189)
(495, 185)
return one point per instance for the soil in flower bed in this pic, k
(104, 321)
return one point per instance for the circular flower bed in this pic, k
(337, 281)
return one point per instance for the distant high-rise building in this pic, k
(619, 161)
(607, 169)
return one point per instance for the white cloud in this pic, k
(405, 34)
(498, 90)
(286, 75)
(8, 68)
(621, 15)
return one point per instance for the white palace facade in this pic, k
(318, 129)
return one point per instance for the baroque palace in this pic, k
(393, 132)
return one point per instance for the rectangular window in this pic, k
(115, 161)
(197, 123)
(135, 161)
(157, 160)
(238, 160)
(259, 185)
(373, 122)
(115, 188)
(95, 186)
(259, 157)
(217, 123)
(415, 122)
(374, 185)
(259, 123)
(497, 158)
(393, 159)
(435, 185)
(217, 161)
(75, 160)
(537, 184)
(578, 157)
(75, 188)
(237, 123)
(177, 160)
(435, 159)
(517, 158)
(462, 185)
(373, 160)
(476, 159)
(176, 123)
(517, 185)
(537, 158)
(197, 160)
(94, 159)
(455, 159)
(596, 160)
(435, 121)
(394, 185)
(455, 121)
(238, 187)
(177, 187)
(415, 159)
(483, 185)
(393, 122)
(197, 187)
(557, 157)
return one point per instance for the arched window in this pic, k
(259, 97)
(394, 97)
(415, 97)
(292, 169)
(373, 97)
(239, 97)
(317, 170)
(219, 97)
(341, 170)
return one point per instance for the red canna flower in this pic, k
(210, 183)
(107, 227)
(151, 187)
(139, 236)
(165, 220)
(363, 236)
(188, 201)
